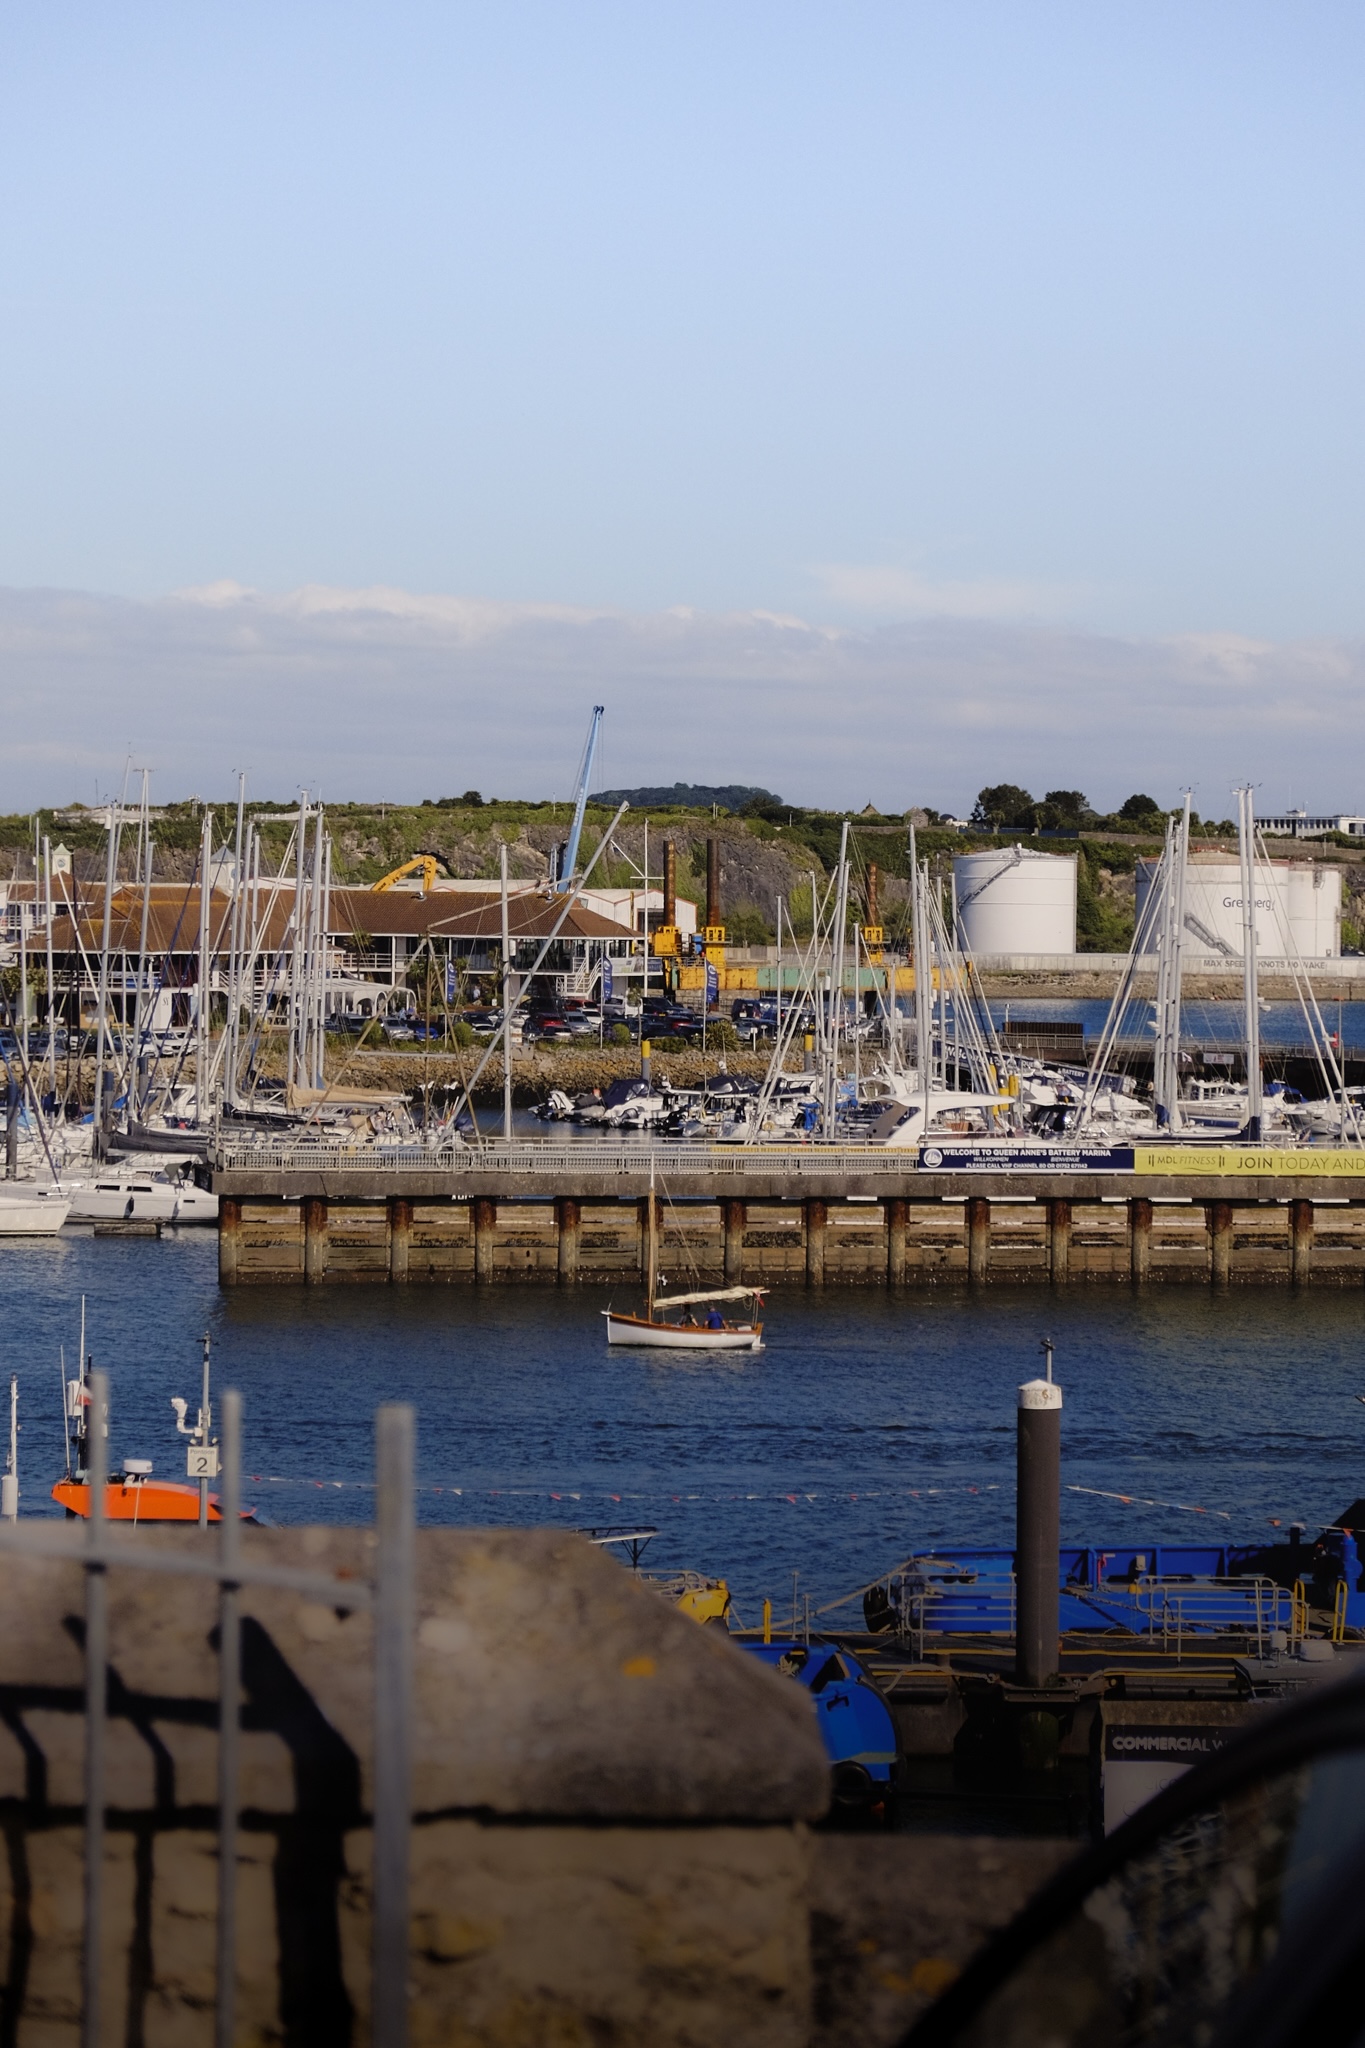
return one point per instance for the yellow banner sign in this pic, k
(1248, 1159)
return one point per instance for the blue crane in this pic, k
(568, 852)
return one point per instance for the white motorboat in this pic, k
(121, 1195)
(28, 1211)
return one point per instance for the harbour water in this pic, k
(869, 1428)
(1204, 1022)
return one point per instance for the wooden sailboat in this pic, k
(686, 1332)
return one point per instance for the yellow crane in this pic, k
(427, 862)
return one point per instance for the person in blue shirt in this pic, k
(715, 1321)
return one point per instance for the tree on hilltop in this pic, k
(1004, 803)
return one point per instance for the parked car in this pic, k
(754, 1019)
(546, 1025)
(685, 1030)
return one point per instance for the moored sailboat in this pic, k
(716, 1333)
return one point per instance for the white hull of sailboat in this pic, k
(119, 1200)
(682, 1336)
(32, 1214)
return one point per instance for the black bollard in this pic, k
(1038, 1529)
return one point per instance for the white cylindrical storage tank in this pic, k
(1298, 907)
(1313, 902)
(1011, 900)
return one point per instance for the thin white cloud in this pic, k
(387, 693)
(885, 591)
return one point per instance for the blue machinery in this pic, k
(568, 852)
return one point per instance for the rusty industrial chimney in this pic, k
(713, 881)
(872, 917)
(670, 916)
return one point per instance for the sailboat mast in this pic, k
(651, 1247)
(777, 1013)
(1161, 1064)
(507, 997)
(1250, 1000)
(836, 987)
(233, 1023)
(51, 985)
(322, 883)
(140, 1021)
(201, 1037)
(923, 975)
(1177, 952)
(296, 955)
(102, 1033)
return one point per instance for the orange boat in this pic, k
(136, 1498)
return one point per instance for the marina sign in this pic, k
(1030, 1159)
(1250, 1159)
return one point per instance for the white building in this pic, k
(1306, 825)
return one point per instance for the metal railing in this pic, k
(528, 1157)
(1182, 1610)
(937, 1598)
(389, 1596)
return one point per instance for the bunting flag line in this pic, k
(583, 1493)
(797, 1497)
(1137, 1500)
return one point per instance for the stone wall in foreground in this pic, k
(615, 1838)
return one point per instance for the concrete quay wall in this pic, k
(612, 1810)
(919, 1230)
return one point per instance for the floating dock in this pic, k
(801, 1216)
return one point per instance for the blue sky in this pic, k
(1037, 326)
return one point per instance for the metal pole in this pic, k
(919, 940)
(1178, 959)
(1164, 879)
(838, 940)
(232, 1031)
(96, 1689)
(317, 1006)
(777, 1020)
(24, 929)
(229, 1717)
(394, 1617)
(9, 1487)
(1038, 1528)
(296, 959)
(102, 1034)
(51, 1033)
(201, 1041)
(506, 1000)
(1250, 999)
(141, 1024)
(204, 1420)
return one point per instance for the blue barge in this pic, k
(1141, 1589)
